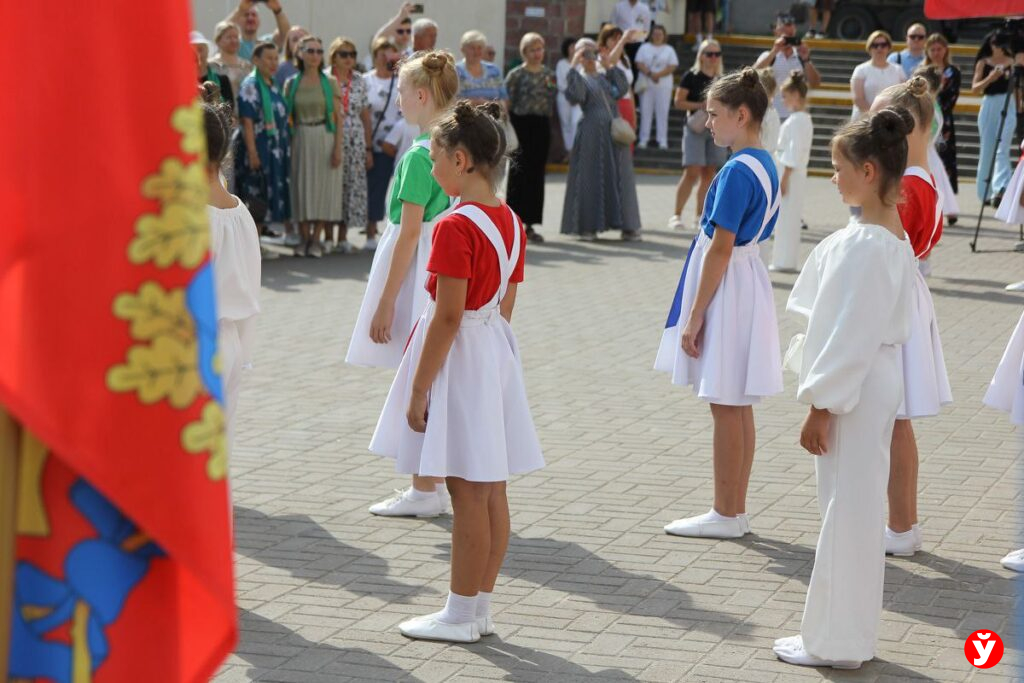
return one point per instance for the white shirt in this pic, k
(658, 58)
(795, 139)
(237, 264)
(770, 130)
(377, 93)
(627, 16)
(782, 67)
(875, 81)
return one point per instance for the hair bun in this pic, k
(891, 125)
(435, 61)
(749, 77)
(918, 86)
(210, 92)
(492, 109)
(797, 76)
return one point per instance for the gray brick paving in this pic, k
(592, 588)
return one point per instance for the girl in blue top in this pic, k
(722, 337)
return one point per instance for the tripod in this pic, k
(1010, 91)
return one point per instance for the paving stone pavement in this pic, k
(592, 588)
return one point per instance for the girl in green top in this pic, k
(395, 294)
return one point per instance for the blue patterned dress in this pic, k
(273, 147)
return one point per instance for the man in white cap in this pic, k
(205, 70)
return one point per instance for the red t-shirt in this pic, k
(917, 211)
(462, 250)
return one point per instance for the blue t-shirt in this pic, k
(736, 201)
(490, 86)
(906, 61)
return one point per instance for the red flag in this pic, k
(966, 9)
(107, 350)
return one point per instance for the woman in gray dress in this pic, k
(600, 191)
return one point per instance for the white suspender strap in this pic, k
(771, 207)
(490, 230)
(918, 172)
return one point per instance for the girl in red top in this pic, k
(925, 383)
(458, 408)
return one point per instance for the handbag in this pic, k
(621, 130)
(511, 138)
(642, 83)
(697, 120)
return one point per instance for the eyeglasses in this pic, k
(344, 54)
(403, 31)
(916, 36)
(313, 50)
(879, 46)
(713, 54)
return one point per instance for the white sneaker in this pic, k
(588, 237)
(900, 544)
(371, 244)
(676, 223)
(292, 239)
(430, 628)
(918, 537)
(345, 247)
(744, 522)
(402, 505)
(709, 525)
(485, 626)
(446, 500)
(1015, 287)
(1014, 560)
(325, 248)
(792, 651)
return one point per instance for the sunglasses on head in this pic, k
(712, 54)
(403, 31)
(345, 54)
(878, 46)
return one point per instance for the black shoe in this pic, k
(951, 220)
(803, 226)
(534, 236)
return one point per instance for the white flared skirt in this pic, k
(739, 360)
(1010, 211)
(1006, 391)
(412, 299)
(925, 382)
(479, 426)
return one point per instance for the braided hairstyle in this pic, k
(217, 124)
(879, 138)
(478, 131)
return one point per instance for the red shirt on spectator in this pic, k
(919, 211)
(462, 250)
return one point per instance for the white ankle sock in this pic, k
(441, 489)
(416, 494)
(714, 515)
(483, 605)
(460, 609)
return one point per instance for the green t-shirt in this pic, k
(414, 184)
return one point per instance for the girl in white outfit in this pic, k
(458, 407)
(1006, 393)
(722, 337)
(771, 124)
(569, 114)
(793, 155)
(235, 250)
(855, 290)
(657, 61)
(395, 296)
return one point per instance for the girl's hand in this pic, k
(369, 159)
(692, 336)
(417, 413)
(380, 326)
(784, 186)
(814, 435)
(336, 158)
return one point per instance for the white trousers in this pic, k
(654, 103)
(569, 116)
(786, 237)
(844, 598)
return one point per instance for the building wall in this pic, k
(360, 20)
(561, 18)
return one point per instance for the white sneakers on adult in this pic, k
(370, 244)
(903, 544)
(791, 650)
(431, 627)
(344, 247)
(676, 223)
(411, 503)
(710, 525)
(1014, 561)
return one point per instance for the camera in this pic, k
(392, 63)
(793, 40)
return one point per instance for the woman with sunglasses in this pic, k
(874, 75)
(701, 156)
(314, 107)
(358, 155)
